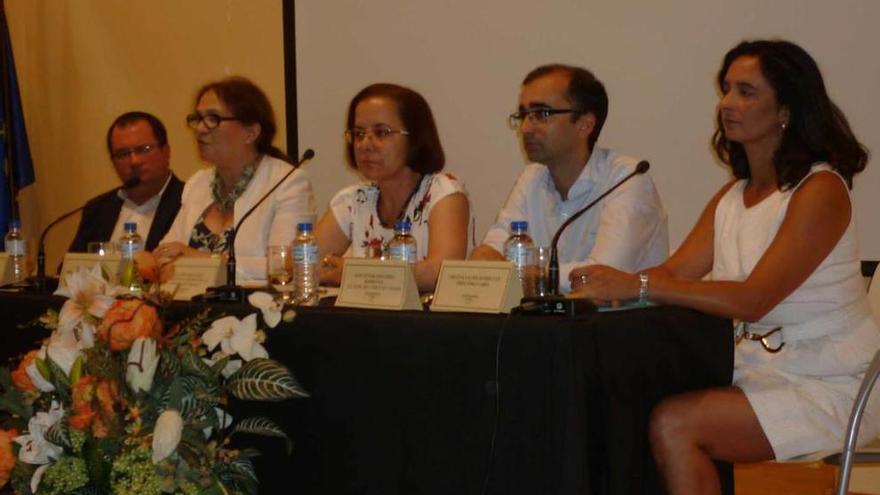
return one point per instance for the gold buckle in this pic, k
(744, 333)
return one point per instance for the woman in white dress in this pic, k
(780, 243)
(393, 143)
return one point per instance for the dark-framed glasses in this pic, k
(125, 153)
(537, 115)
(211, 120)
(379, 133)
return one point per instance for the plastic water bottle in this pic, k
(403, 245)
(519, 250)
(129, 244)
(16, 246)
(305, 265)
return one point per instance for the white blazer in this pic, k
(273, 223)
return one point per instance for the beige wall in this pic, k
(83, 62)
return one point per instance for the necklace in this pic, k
(403, 208)
(225, 202)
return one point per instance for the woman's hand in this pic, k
(170, 251)
(331, 270)
(603, 284)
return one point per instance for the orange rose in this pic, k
(7, 456)
(82, 395)
(20, 378)
(127, 320)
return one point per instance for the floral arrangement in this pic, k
(117, 401)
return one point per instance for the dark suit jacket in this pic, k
(100, 214)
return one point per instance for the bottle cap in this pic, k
(131, 227)
(304, 227)
(402, 225)
(519, 225)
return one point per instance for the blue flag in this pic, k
(19, 169)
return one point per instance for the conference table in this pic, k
(438, 403)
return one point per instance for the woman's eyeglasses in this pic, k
(211, 120)
(380, 134)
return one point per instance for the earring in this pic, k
(783, 125)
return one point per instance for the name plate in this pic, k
(378, 284)
(477, 287)
(192, 276)
(111, 265)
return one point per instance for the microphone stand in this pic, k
(555, 303)
(40, 282)
(232, 292)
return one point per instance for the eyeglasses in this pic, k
(125, 153)
(537, 115)
(764, 338)
(380, 134)
(211, 120)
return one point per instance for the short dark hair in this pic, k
(250, 105)
(424, 154)
(129, 118)
(817, 130)
(587, 94)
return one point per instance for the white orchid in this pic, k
(90, 296)
(231, 367)
(166, 434)
(35, 449)
(236, 337)
(140, 367)
(268, 306)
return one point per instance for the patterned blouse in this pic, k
(355, 210)
(203, 239)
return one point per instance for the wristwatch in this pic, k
(643, 288)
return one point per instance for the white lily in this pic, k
(38, 477)
(37, 378)
(268, 306)
(166, 434)
(236, 337)
(90, 296)
(64, 349)
(35, 449)
(140, 367)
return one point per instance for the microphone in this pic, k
(232, 292)
(40, 281)
(555, 303)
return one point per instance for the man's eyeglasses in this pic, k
(537, 115)
(211, 120)
(124, 153)
(380, 134)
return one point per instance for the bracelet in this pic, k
(643, 288)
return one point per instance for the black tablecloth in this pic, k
(411, 402)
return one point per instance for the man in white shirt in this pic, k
(561, 112)
(138, 146)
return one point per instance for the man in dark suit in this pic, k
(138, 146)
